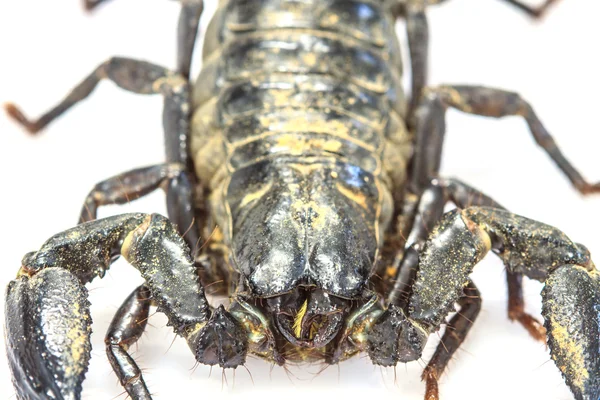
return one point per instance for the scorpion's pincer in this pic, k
(395, 338)
(221, 340)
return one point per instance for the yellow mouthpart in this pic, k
(298, 319)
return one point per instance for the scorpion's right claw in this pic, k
(15, 113)
(572, 313)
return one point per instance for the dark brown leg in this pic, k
(418, 41)
(429, 210)
(426, 215)
(91, 4)
(127, 186)
(187, 30)
(516, 308)
(456, 332)
(142, 78)
(430, 129)
(418, 44)
(125, 329)
(534, 12)
(139, 182)
(139, 77)
(436, 196)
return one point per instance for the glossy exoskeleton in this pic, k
(315, 187)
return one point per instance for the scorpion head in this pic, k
(304, 236)
(308, 318)
(316, 323)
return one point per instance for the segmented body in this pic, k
(298, 136)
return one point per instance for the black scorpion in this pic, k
(315, 184)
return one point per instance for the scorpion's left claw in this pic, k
(572, 312)
(48, 328)
(222, 340)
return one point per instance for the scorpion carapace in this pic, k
(304, 102)
(315, 187)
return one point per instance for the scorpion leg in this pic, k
(139, 182)
(143, 78)
(187, 30)
(456, 332)
(428, 211)
(430, 129)
(516, 307)
(171, 177)
(91, 4)
(138, 77)
(571, 297)
(125, 329)
(47, 307)
(417, 31)
(534, 12)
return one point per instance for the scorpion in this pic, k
(314, 185)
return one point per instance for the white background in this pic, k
(48, 46)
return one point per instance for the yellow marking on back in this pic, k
(310, 59)
(358, 198)
(250, 197)
(298, 319)
(305, 169)
(299, 144)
